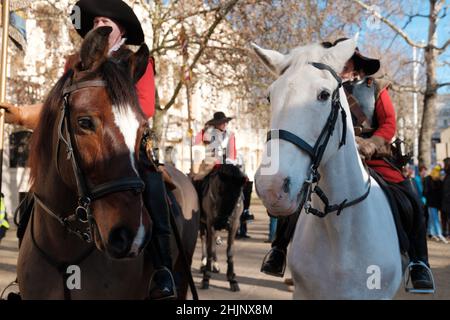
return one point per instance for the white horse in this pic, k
(354, 255)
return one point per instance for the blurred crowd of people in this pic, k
(434, 188)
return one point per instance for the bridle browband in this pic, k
(317, 151)
(86, 192)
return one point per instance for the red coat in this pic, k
(145, 88)
(385, 114)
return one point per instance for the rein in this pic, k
(317, 151)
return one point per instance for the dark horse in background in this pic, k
(221, 200)
(89, 215)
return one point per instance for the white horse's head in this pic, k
(300, 100)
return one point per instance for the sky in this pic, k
(417, 30)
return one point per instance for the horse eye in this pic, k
(323, 95)
(86, 123)
(268, 98)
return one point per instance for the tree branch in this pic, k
(442, 49)
(440, 85)
(220, 15)
(396, 29)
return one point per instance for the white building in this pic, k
(441, 137)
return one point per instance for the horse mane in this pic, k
(120, 89)
(229, 172)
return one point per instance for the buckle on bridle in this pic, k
(82, 211)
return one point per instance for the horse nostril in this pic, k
(120, 240)
(286, 185)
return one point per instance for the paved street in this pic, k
(248, 257)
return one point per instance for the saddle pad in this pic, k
(401, 209)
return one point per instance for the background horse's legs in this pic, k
(215, 264)
(210, 251)
(204, 253)
(231, 276)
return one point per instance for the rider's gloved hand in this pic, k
(372, 146)
(13, 114)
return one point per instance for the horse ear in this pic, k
(139, 62)
(95, 47)
(340, 54)
(272, 59)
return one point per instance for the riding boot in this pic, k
(274, 262)
(247, 192)
(162, 285)
(421, 276)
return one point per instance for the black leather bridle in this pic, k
(86, 192)
(316, 153)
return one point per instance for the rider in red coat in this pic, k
(126, 29)
(373, 116)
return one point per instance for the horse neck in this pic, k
(343, 176)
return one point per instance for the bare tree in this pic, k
(438, 10)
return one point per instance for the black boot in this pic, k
(162, 285)
(420, 272)
(421, 278)
(274, 262)
(246, 216)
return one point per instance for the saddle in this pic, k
(403, 205)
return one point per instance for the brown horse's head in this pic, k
(106, 125)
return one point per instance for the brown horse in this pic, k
(89, 227)
(220, 196)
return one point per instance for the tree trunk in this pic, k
(430, 97)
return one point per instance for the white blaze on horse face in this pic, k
(139, 239)
(127, 122)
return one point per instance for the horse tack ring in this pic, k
(82, 211)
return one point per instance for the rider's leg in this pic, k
(275, 261)
(418, 250)
(162, 284)
(247, 191)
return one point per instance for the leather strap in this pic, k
(83, 85)
(292, 138)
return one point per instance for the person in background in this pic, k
(220, 148)
(4, 225)
(419, 180)
(272, 229)
(247, 190)
(445, 206)
(433, 193)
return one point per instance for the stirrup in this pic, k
(270, 272)
(170, 297)
(407, 277)
(11, 295)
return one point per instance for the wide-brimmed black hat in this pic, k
(116, 10)
(368, 65)
(219, 118)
